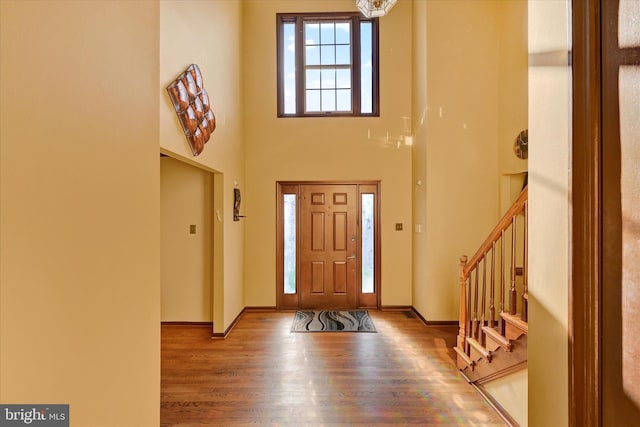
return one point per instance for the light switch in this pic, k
(398, 226)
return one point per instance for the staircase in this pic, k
(492, 340)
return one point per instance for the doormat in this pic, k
(333, 321)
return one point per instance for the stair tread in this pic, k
(467, 360)
(493, 332)
(479, 348)
(516, 321)
(497, 337)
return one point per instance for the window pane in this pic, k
(329, 79)
(328, 55)
(343, 54)
(343, 100)
(318, 42)
(367, 243)
(312, 55)
(327, 33)
(328, 100)
(312, 34)
(366, 70)
(343, 33)
(289, 56)
(289, 243)
(313, 100)
(313, 79)
(343, 78)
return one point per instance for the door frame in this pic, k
(292, 301)
(585, 287)
(596, 207)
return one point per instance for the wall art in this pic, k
(191, 102)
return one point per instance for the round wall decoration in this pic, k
(521, 144)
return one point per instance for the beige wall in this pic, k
(512, 394)
(459, 133)
(186, 267)
(325, 148)
(209, 34)
(513, 89)
(469, 103)
(79, 195)
(421, 294)
(549, 136)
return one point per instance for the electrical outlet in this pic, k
(192, 229)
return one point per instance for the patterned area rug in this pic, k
(333, 321)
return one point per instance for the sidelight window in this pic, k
(367, 222)
(289, 243)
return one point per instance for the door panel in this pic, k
(328, 245)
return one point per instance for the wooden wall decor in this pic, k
(191, 102)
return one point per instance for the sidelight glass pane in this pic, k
(366, 70)
(367, 243)
(289, 68)
(289, 243)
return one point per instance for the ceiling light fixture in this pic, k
(375, 8)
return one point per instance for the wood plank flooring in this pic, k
(263, 374)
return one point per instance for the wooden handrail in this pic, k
(477, 322)
(496, 233)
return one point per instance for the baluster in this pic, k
(474, 331)
(502, 263)
(484, 292)
(492, 307)
(469, 321)
(525, 264)
(463, 306)
(512, 290)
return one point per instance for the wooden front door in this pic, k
(328, 246)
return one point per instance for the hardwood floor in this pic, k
(263, 374)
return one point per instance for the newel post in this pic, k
(463, 305)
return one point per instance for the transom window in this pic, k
(327, 65)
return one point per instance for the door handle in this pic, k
(351, 257)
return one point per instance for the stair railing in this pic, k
(477, 309)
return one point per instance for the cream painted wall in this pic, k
(79, 196)
(549, 136)
(210, 35)
(186, 266)
(513, 88)
(325, 148)
(419, 97)
(469, 103)
(512, 394)
(456, 144)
